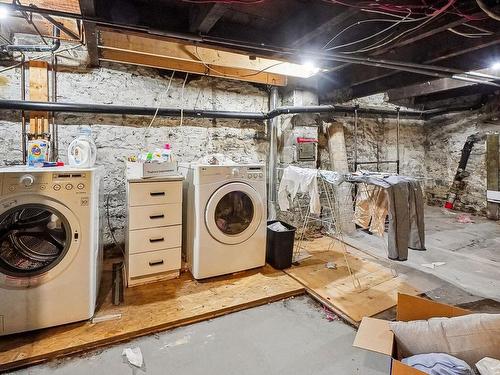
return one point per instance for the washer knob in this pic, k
(27, 180)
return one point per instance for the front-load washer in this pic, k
(225, 218)
(50, 248)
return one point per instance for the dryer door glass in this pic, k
(33, 239)
(234, 213)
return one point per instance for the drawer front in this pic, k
(143, 240)
(154, 262)
(149, 193)
(142, 217)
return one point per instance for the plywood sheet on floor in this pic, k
(377, 290)
(150, 308)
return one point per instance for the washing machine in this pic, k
(225, 218)
(50, 248)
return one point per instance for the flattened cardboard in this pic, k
(375, 334)
(418, 308)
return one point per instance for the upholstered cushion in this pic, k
(469, 337)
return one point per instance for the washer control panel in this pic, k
(255, 173)
(44, 181)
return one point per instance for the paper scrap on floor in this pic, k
(433, 264)
(134, 356)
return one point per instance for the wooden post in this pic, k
(39, 92)
(492, 173)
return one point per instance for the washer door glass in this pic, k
(234, 213)
(33, 239)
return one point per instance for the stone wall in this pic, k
(117, 137)
(445, 138)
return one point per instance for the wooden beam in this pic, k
(162, 62)
(492, 173)
(204, 16)
(70, 6)
(324, 28)
(89, 28)
(274, 70)
(39, 92)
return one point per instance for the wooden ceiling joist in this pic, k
(204, 17)
(138, 50)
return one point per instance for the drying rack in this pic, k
(331, 218)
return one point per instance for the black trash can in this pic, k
(279, 247)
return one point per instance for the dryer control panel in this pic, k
(216, 173)
(45, 182)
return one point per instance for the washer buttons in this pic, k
(57, 187)
(80, 186)
(69, 186)
(12, 188)
(260, 174)
(42, 187)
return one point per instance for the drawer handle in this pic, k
(157, 216)
(157, 193)
(156, 263)
(156, 239)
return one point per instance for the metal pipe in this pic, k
(356, 138)
(378, 162)
(36, 47)
(273, 152)
(397, 140)
(200, 113)
(23, 116)
(54, 135)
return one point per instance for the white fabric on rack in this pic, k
(296, 180)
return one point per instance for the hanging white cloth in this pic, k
(296, 180)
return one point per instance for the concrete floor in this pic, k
(290, 337)
(471, 252)
(294, 336)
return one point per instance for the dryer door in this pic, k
(37, 240)
(233, 213)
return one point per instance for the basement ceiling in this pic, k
(447, 33)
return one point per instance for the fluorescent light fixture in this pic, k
(496, 65)
(4, 12)
(305, 70)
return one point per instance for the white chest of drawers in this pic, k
(154, 229)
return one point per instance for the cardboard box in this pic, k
(375, 334)
(148, 170)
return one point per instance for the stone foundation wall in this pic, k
(445, 138)
(117, 137)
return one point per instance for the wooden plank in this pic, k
(192, 67)
(204, 16)
(492, 171)
(39, 92)
(185, 52)
(70, 6)
(147, 309)
(335, 288)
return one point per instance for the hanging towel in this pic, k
(295, 180)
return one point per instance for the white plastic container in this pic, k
(82, 152)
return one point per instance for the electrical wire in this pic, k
(233, 75)
(376, 46)
(395, 23)
(146, 133)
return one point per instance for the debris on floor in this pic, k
(464, 219)
(331, 265)
(134, 356)
(105, 318)
(433, 264)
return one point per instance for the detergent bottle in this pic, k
(82, 152)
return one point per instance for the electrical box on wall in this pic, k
(306, 149)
